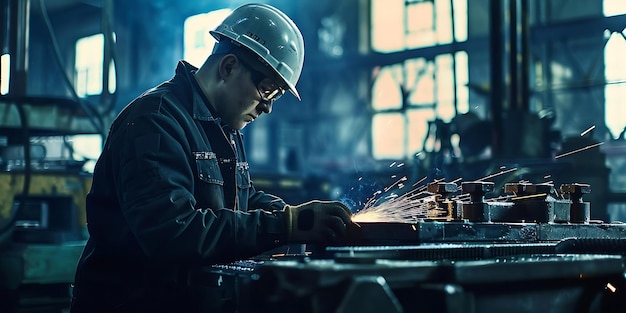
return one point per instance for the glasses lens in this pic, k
(268, 89)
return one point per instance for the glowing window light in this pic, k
(614, 91)
(388, 136)
(5, 63)
(418, 90)
(398, 25)
(88, 66)
(198, 43)
(613, 7)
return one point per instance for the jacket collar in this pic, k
(201, 109)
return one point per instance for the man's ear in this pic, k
(226, 65)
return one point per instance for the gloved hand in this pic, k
(317, 222)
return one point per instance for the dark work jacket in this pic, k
(171, 194)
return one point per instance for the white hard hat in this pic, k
(269, 33)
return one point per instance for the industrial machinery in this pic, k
(534, 249)
(42, 209)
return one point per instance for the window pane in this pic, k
(444, 21)
(462, 80)
(94, 80)
(198, 43)
(435, 88)
(388, 139)
(445, 87)
(386, 93)
(421, 25)
(89, 56)
(615, 90)
(417, 130)
(112, 82)
(420, 17)
(387, 27)
(89, 48)
(86, 147)
(422, 91)
(445, 78)
(614, 7)
(399, 25)
(88, 66)
(460, 20)
(5, 63)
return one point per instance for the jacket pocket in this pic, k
(209, 191)
(243, 175)
(209, 171)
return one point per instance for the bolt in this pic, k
(477, 190)
(576, 191)
(441, 188)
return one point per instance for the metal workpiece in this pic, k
(477, 190)
(533, 210)
(580, 211)
(517, 253)
(442, 188)
(534, 203)
(455, 210)
(575, 191)
(525, 189)
(476, 212)
(476, 209)
(427, 232)
(449, 210)
(523, 202)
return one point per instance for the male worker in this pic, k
(171, 191)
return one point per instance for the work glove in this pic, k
(317, 222)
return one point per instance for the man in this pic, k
(171, 191)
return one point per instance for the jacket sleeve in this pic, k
(155, 186)
(261, 200)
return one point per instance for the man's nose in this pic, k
(265, 106)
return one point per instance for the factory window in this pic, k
(407, 24)
(198, 43)
(615, 89)
(614, 71)
(407, 96)
(5, 63)
(613, 7)
(85, 147)
(88, 67)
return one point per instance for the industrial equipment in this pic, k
(42, 208)
(533, 250)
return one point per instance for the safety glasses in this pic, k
(268, 89)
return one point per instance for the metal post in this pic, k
(19, 16)
(496, 51)
(521, 56)
(107, 14)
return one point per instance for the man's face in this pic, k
(246, 93)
